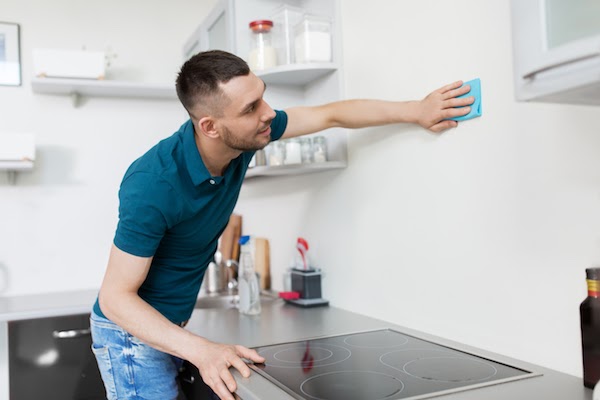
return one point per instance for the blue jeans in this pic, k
(130, 369)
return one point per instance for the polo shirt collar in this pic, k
(196, 168)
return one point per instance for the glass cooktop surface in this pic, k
(382, 364)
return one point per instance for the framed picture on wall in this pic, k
(10, 54)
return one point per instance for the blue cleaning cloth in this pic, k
(476, 106)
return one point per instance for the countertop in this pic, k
(46, 305)
(280, 322)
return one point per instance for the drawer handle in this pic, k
(71, 334)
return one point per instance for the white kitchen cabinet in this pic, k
(226, 28)
(557, 50)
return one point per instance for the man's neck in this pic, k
(215, 155)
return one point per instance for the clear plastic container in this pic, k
(248, 288)
(262, 53)
(285, 18)
(312, 39)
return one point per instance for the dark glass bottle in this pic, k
(590, 329)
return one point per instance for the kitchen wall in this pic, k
(57, 223)
(480, 235)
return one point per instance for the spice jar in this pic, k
(306, 150)
(262, 53)
(319, 148)
(293, 151)
(276, 152)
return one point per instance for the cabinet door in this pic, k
(551, 33)
(51, 359)
(216, 32)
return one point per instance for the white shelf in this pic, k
(296, 74)
(102, 88)
(294, 169)
(16, 165)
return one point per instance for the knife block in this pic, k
(308, 284)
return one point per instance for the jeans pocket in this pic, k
(106, 370)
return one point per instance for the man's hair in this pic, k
(199, 79)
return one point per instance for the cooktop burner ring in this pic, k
(338, 354)
(485, 373)
(376, 340)
(312, 349)
(385, 388)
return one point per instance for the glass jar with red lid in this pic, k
(262, 53)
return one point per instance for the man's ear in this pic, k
(207, 126)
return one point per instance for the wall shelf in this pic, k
(102, 88)
(293, 169)
(296, 74)
(15, 165)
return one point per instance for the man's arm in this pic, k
(430, 113)
(120, 302)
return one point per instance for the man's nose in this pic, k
(269, 113)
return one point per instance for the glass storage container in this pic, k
(262, 53)
(285, 18)
(312, 41)
(293, 153)
(319, 148)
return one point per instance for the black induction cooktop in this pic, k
(381, 364)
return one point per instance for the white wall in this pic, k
(480, 235)
(57, 223)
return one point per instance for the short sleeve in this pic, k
(278, 125)
(146, 211)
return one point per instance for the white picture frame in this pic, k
(10, 54)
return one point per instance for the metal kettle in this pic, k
(216, 277)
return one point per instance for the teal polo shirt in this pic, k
(173, 209)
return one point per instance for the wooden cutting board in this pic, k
(262, 262)
(229, 246)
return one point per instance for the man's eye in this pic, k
(251, 108)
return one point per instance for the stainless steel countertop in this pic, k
(43, 305)
(280, 322)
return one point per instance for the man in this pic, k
(175, 202)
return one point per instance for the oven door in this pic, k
(51, 359)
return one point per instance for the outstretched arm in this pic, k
(431, 113)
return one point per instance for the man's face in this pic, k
(245, 124)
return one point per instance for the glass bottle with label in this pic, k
(590, 329)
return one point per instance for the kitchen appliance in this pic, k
(380, 364)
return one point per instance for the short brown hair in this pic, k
(201, 75)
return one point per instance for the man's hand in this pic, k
(213, 361)
(441, 104)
